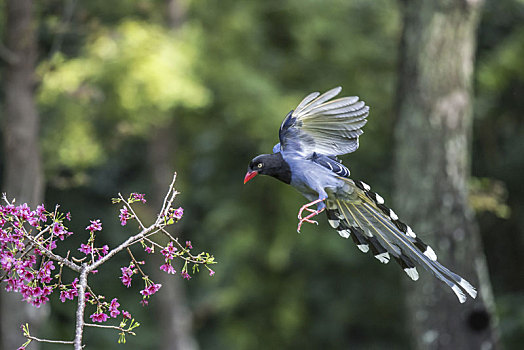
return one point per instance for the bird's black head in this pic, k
(269, 164)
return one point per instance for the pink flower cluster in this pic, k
(169, 253)
(124, 216)
(96, 225)
(138, 197)
(26, 270)
(174, 214)
(127, 273)
(185, 275)
(150, 289)
(67, 293)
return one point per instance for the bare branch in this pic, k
(167, 202)
(137, 265)
(132, 211)
(79, 329)
(49, 340)
(111, 327)
(121, 247)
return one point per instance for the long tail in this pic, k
(374, 226)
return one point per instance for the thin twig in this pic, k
(132, 211)
(49, 340)
(121, 247)
(136, 263)
(111, 327)
(92, 293)
(165, 205)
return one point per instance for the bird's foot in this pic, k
(308, 218)
(307, 207)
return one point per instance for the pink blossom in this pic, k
(99, 317)
(60, 231)
(126, 276)
(151, 289)
(169, 251)
(124, 216)
(113, 308)
(168, 268)
(138, 197)
(186, 275)
(40, 212)
(177, 214)
(211, 272)
(103, 251)
(96, 225)
(188, 245)
(85, 248)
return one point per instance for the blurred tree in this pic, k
(23, 175)
(433, 166)
(177, 332)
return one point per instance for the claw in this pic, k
(306, 207)
(309, 216)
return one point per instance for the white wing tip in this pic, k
(363, 247)
(412, 273)
(430, 253)
(344, 233)
(334, 223)
(410, 232)
(392, 215)
(383, 257)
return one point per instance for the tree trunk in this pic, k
(23, 177)
(432, 169)
(177, 319)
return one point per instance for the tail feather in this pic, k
(373, 226)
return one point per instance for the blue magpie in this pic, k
(311, 137)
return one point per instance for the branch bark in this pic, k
(79, 328)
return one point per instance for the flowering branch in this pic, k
(27, 255)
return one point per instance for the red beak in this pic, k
(250, 175)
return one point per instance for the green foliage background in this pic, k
(222, 82)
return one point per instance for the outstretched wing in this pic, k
(373, 226)
(325, 126)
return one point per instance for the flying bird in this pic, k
(311, 137)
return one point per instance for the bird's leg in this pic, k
(313, 213)
(306, 207)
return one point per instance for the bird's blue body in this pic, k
(315, 178)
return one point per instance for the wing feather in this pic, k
(325, 126)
